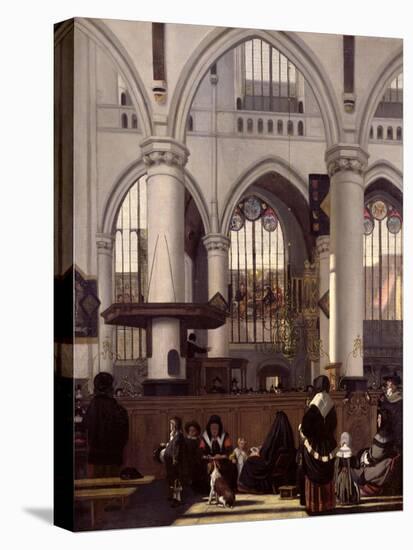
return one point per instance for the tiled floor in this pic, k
(148, 507)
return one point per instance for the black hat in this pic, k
(395, 378)
(103, 382)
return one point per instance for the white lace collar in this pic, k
(220, 439)
(323, 402)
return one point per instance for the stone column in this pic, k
(217, 246)
(346, 164)
(165, 159)
(104, 244)
(323, 251)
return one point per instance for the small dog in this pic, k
(220, 490)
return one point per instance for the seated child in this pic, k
(346, 489)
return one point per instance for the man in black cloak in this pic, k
(392, 402)
(257, 473)
(107, 426)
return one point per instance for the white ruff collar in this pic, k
(344, 452)
(394, 397)
(220, 439)
(323, 402)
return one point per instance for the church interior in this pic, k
(228, 227)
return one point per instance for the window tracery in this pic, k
(257, 271)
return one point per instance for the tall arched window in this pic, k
(383, 255)
(389, 132)
(394, 93)
(280, 127)
(134, 121)
(270, 126)
(269, 79)
(300, 128)
(124, 120)
(249, 125)
(131, 266)
(260, 126)
(257, 271)
(379, 132)
(399, 133)
(391, 105)
(290, 128)
(240, 125)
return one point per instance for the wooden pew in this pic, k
(100, 482)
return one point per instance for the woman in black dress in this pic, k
(258, 470)
(317, 431)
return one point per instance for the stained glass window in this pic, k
(258, 272)
(383, 261)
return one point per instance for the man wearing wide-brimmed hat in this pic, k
(392, 401)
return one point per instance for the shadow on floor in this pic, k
(45, 514)
(148, 507)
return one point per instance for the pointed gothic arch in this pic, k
(389, 69)
(221, 40)
(97, 31)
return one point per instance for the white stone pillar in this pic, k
(104, 244)
(165, 159)
(323, 252)
(346, 164)
(217, 246)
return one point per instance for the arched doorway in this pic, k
(273, 375)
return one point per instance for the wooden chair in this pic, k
(284, 469)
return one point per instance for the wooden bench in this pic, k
(92, 495)
(99, 482)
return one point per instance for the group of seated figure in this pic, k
(322, 471)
